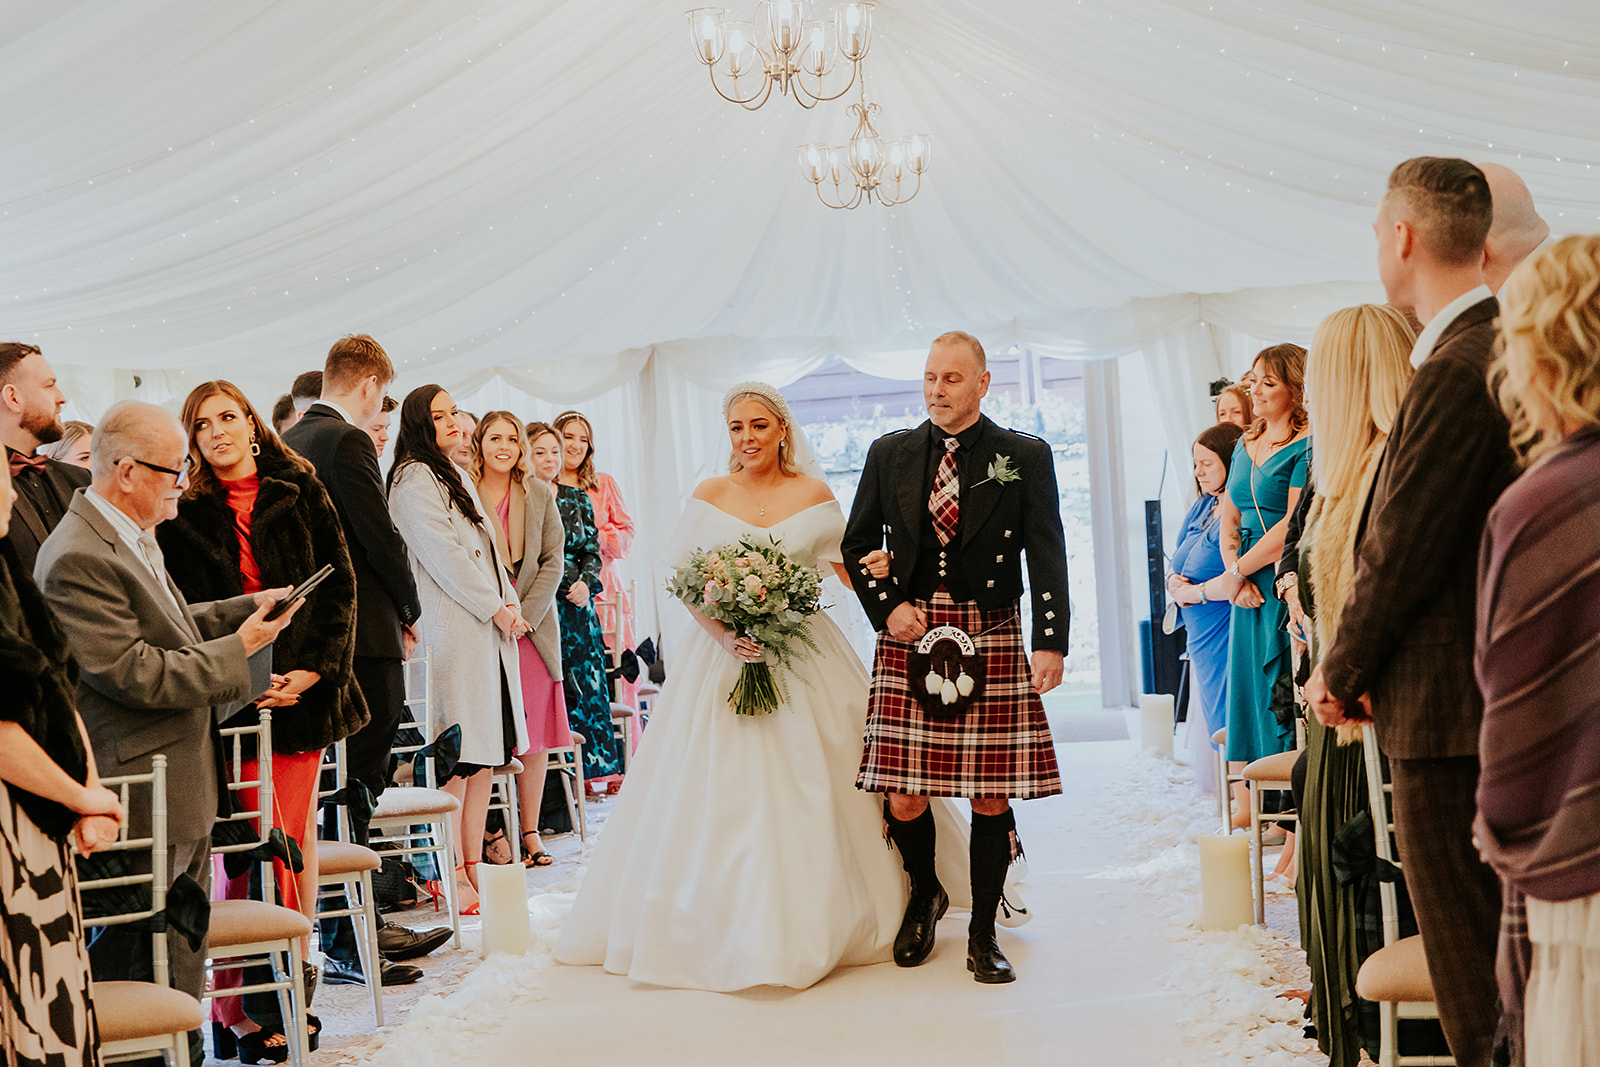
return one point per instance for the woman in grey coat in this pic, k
(471, 615)
(527, 531)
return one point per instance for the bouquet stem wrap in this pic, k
(761, 593)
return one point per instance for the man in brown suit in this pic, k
(1405, 641)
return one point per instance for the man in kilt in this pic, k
(957, 501)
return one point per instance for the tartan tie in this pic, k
(943, 502)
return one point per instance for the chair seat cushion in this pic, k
(414, 802)
(621, 711)
(1273, 768)
(128, 1010)
(1397, 973)
(1220, 737)
(514, 767)
(246, 922)
(341, 857)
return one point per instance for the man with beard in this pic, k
(30, 416)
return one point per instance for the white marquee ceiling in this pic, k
(226, 187)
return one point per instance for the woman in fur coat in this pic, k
(256, 517)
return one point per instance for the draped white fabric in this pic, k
(494, 190)
(538, 199)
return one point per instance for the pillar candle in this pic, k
(503, 897)
(1156, 723)
(1225, 902)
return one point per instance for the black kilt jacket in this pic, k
(1000, 524)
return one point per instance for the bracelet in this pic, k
(1233, 569)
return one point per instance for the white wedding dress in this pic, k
(740, 852)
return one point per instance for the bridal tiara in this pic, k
(774, 399)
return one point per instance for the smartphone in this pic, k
(300, 592)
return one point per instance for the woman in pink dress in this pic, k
(528, 534)
(614, 605)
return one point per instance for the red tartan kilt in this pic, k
(1000, 748)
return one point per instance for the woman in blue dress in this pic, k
(1264, 480)
(1196, 562)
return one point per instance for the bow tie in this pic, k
(20, 463)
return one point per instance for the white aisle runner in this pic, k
(1108, 974)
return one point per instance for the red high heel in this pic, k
(466, 881)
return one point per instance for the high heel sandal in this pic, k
(252, 1048)
(540, 858)
(466, 880)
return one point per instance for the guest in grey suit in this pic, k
(157, 674)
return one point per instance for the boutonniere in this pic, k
(1001, 470)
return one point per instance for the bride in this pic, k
(739, 852)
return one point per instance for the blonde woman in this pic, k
(531, 543)
(1538, 660)
(1356, 375)
(73, 447)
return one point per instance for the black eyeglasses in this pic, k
(187, 471)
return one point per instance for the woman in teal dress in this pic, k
(1266, 475)
(583, 647)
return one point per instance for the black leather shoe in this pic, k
(348, 972)
(404, 943)
(987, 963)
(915, 939)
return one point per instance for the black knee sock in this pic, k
(990, 855)
(915, 840)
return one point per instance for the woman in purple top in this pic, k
(1538, 660)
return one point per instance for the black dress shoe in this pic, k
(403, 943)
(987, 963)
(915, 939)
(336, 971)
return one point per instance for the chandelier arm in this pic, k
(760, 94)
(764, 96)
(886, 202)
(816, 98)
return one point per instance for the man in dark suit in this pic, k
(158, 674)
(1405, 641)
(30, 416)
(957, 502)
(331, 435)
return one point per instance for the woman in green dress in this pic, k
(1358, 371)
(583, 646)
(1264, 480)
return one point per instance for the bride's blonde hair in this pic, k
(773, 401)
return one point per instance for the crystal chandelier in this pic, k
(874, 169)
(794, 52)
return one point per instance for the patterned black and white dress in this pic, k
(46, 1017)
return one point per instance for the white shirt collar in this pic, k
(126, 528)
(129, 533)
(338, 409)
(1439, 323)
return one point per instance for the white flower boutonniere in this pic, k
(1001, 470)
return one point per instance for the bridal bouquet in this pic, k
(763, 595)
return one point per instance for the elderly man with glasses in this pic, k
(158, 675)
